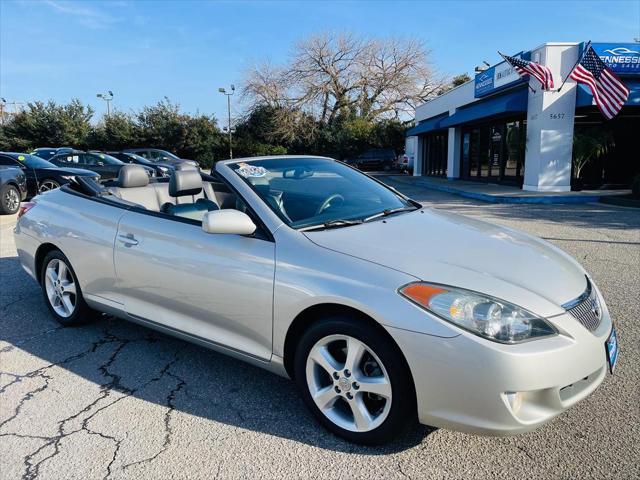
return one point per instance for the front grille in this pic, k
(586, 308)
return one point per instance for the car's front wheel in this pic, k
(9, 199)
(355, 381)
(62, 291)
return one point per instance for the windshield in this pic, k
(106, 159)
(168, 154)
(32, 161)
(305, 192)
(127, 156)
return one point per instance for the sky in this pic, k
(185, 50)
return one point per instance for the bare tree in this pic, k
(331, 74)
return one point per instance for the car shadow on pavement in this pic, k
(127, 362)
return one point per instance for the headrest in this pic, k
(186, 166)
(133, 176)
(185, 182)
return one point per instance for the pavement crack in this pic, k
(13, 302)
(113, 383)
(402, 471)
(526, 452)
(29, 395)
(32, 468)
(16, 342)
(170, 404)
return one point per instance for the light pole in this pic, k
(224, 92)
(107, 97)
(3, 103)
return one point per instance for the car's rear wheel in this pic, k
(355, 381)
(62, 291)
(9, 199)
(47, 185)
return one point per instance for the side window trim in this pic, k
(258, 235)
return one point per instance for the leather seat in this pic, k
(132, 185)
(186, 187)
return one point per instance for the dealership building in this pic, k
(501, 128)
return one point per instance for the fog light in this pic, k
(515, 400)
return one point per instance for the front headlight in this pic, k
(481, 314)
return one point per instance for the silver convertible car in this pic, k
(383, 311)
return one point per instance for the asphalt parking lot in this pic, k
(115, 400)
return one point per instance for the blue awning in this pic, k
(506, 104)
(428, 125)
(585, 99)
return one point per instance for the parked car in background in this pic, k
(375, 159)
(47, 152)
(13, 189)
(107, 166)
(404, 163)
(42, 175)
(161, 156)
(163, 169)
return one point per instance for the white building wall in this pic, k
(411, 150)
(550, 120)
(454, 98)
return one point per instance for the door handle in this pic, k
(129, 240)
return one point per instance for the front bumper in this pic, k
(470, 384)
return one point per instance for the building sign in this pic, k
(622, 58)
(495, 78)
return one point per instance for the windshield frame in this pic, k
(232, 165)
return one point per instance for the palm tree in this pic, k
(590, 144)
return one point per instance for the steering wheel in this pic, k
(327, 202)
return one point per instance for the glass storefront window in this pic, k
(494, 151)
(434, 154)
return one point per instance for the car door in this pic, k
(215, 288)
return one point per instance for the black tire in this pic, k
(402, 413)
(9, 199)
(82, 313)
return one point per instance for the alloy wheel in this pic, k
(348, 383)
(48, 185)
(12, 200)
(60, 287)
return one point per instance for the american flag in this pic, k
(607, 89)
(537, 71)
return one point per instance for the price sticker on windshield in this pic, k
(21, 158)
(249, 171)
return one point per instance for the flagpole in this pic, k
(586, 48)
(528, 84)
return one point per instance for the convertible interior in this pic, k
(185, 195)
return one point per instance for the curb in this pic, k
(484, 197)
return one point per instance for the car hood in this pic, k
(73, 171)
(450, 249)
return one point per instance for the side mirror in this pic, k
(228, 221)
